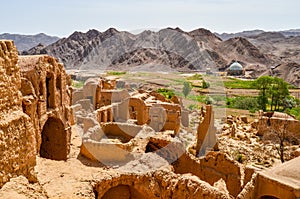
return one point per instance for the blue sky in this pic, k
(62, 17)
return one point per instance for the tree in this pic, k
(263, 84)
(278, 133)
(278, 91)
(274, 89)
(186, 88)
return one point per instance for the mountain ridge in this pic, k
(25, 42)
(173, 48)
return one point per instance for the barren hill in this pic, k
(25, 42)
(251, 33)
(170, 48)
(174, 49)
(244, 51)
(290, 72)
(283, 49)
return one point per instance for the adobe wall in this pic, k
(17, 135)
(105, 114)
(155, 185)
(125, 130)
(206, 133)
(268, 187)
(185, 118)
(138, 110)
(106, 94)
(277, 120)
(47, 98)
(212, 168)
(165, 116)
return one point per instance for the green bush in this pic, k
(77, 84)
(193, 107)
(241, 102)
(198, 98)
(205, 84)
(167, 93)
(209, 100)
(218, 98)
(295, 112)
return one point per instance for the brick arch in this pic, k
(54, 140)
(123, 192)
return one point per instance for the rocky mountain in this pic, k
(170, 48)
(245, 52)
(248, 33)
(290, 72)
(25, 42)
(281, 48)
(292, 32)
(174, 49)
(251, 33)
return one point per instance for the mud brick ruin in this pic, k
(17, 135)
(134, 134)
(46, 100)
(143, 107)
(272, 121)
(35, 111)
(129, 127)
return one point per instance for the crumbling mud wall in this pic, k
(165, 116)
(46, 100)
(17, 137)
(206, 133)
(159, 184)
(138, 110)
(211, 168)
(271, 121)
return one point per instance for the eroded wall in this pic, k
(211, 168)
(46, 100)
(160, 184)
(17, 135)
(206, 133)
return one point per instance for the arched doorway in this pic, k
(54, 140)
(124, 192)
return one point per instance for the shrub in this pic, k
(77, 84)
(167, 93)
(209, 100)
(247, 103)
(193, 107)
(205, 84)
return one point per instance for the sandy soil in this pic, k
(59, 179)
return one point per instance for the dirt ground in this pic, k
(59, 179)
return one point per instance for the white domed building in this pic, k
(236, 69)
